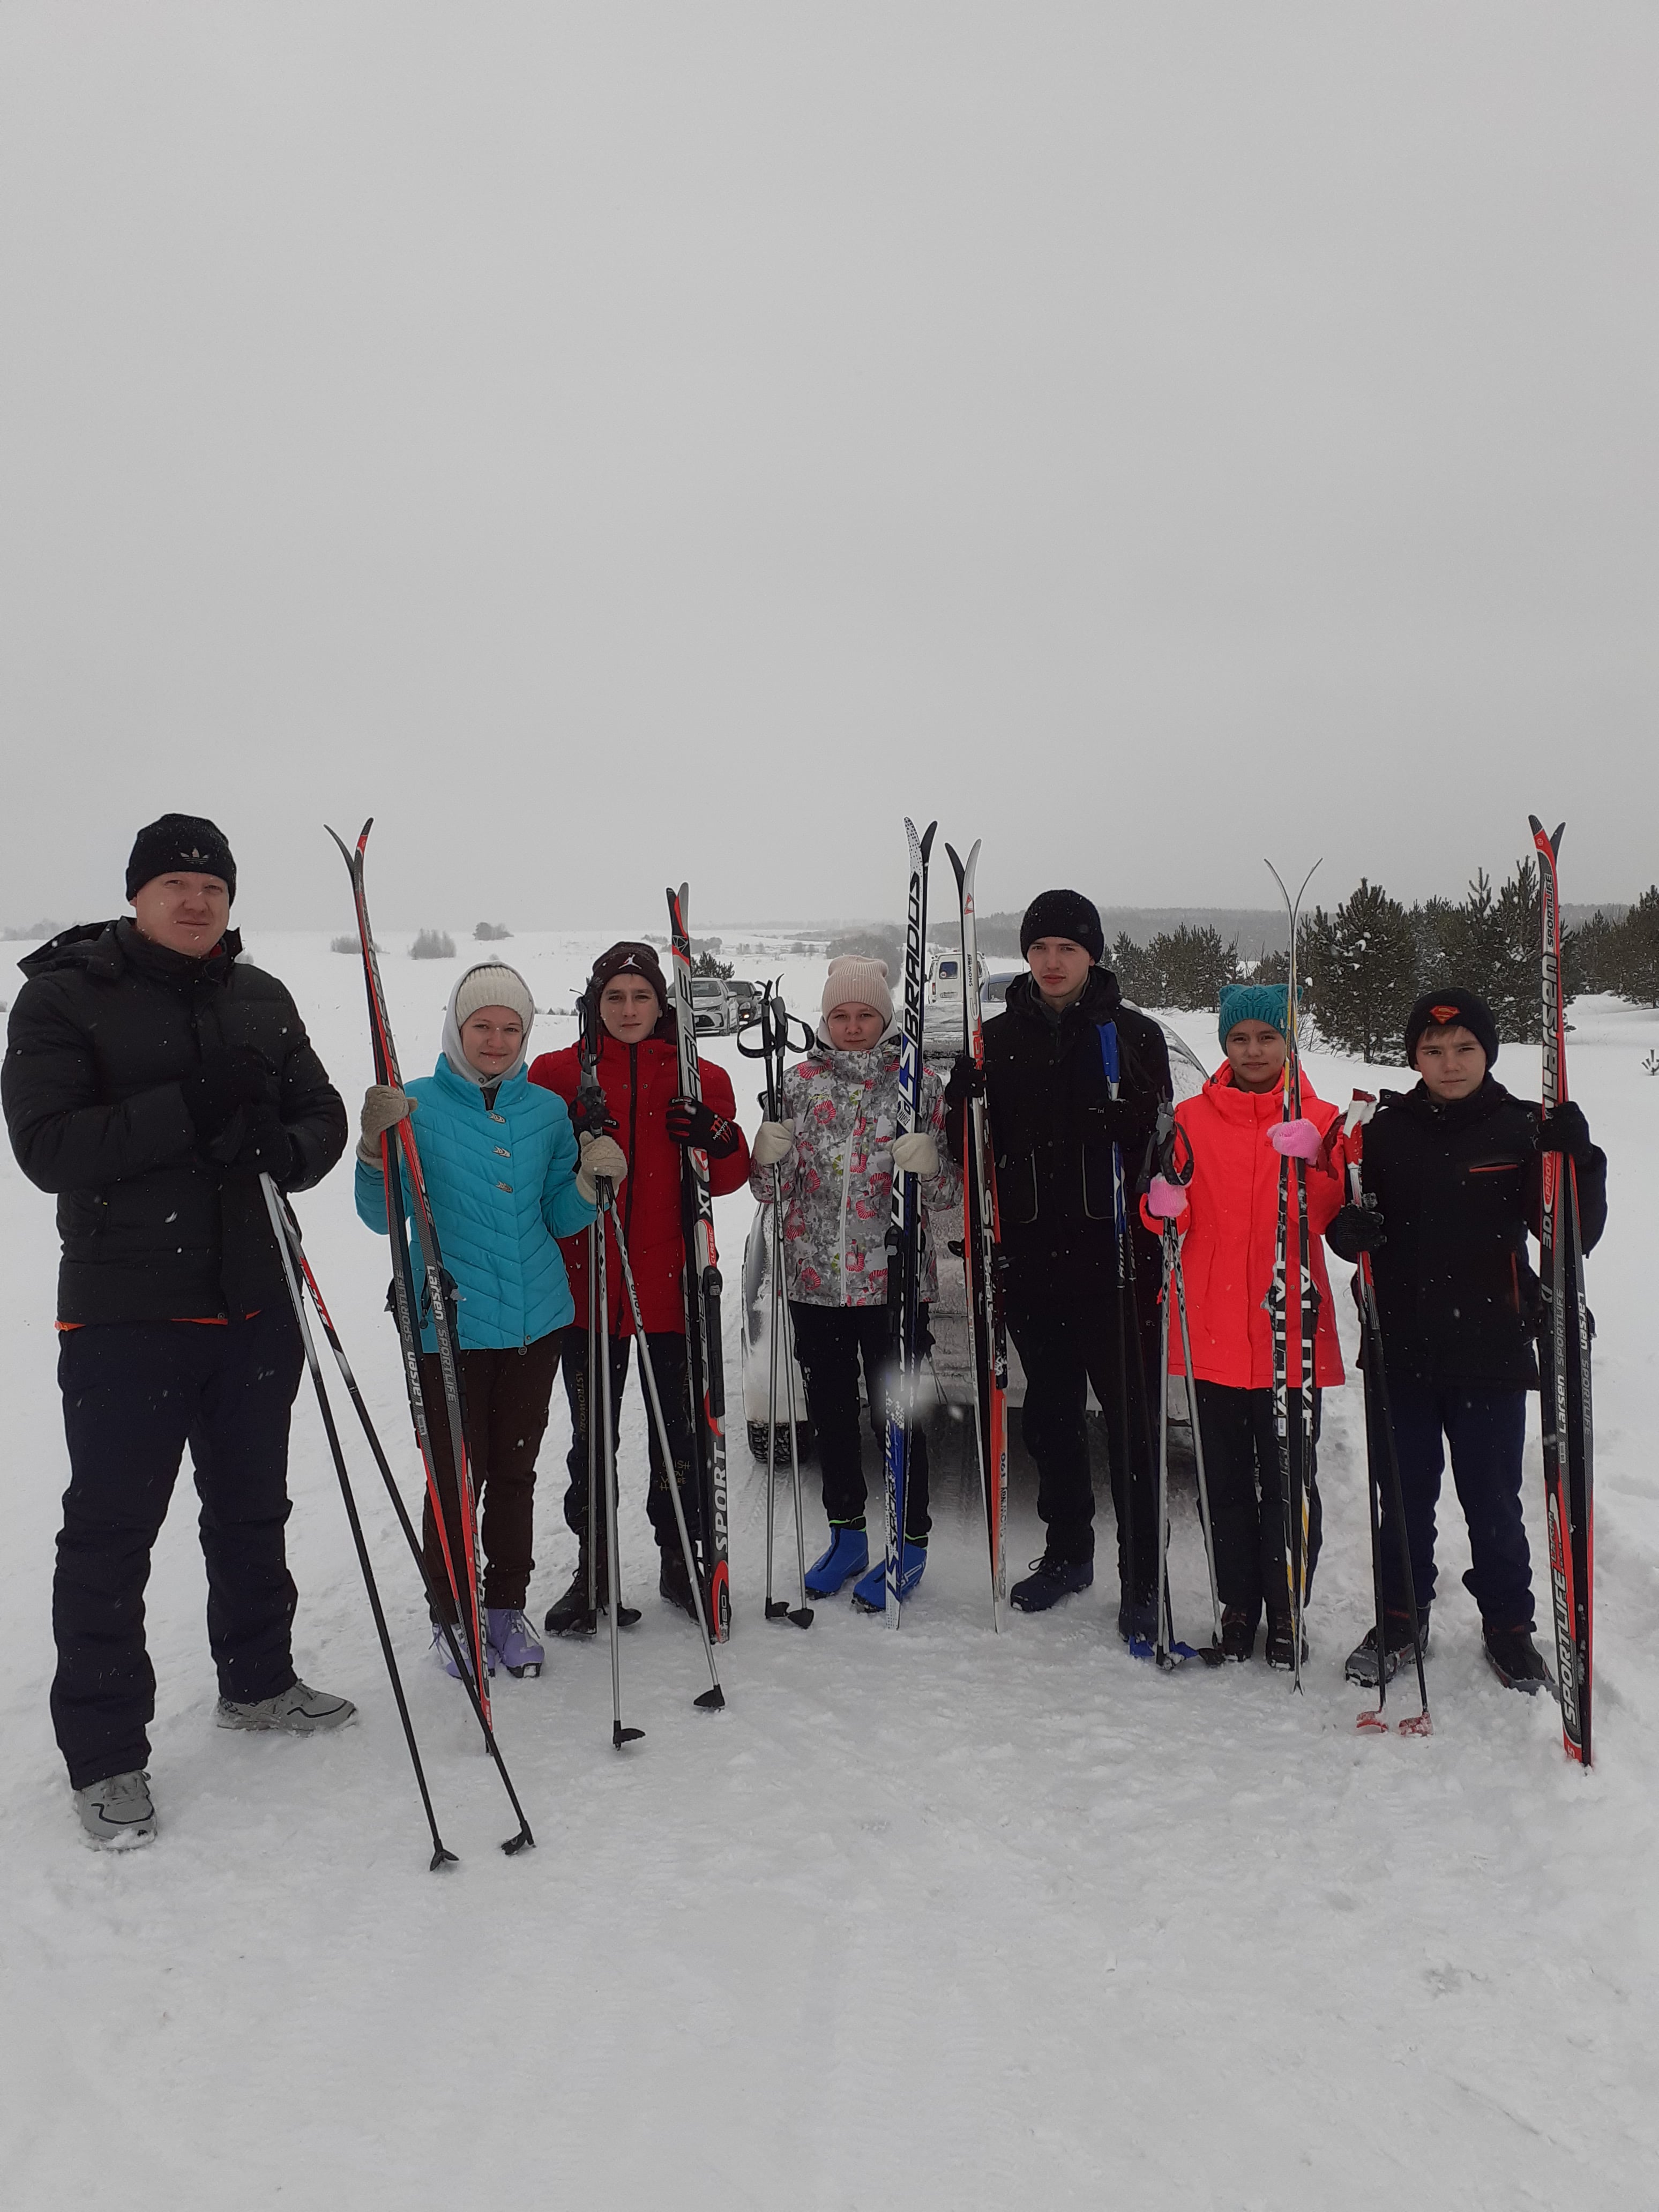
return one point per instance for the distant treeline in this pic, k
(1362, 962)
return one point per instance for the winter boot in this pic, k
(569, 1615)
(1280, 1648)
(296, 1710)
(870, 1591)
(512, 1642)
(117, 1813)
(1361, 1663)
(1237, 1634)
(674, 1584)
(1053, 1579)
(1137, 1620)
(1515, 1658)
(463, 1644)
(848, 1555)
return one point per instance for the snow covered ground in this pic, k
(936, 1919)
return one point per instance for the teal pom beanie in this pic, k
(1253, 1002)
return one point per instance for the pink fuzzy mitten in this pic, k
(1165, 1200)
(1297, 1140)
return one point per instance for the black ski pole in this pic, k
(458, 1651)
(441, 1855)
(714, 1697)
(1379, 1423)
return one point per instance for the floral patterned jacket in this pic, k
(838, 1181)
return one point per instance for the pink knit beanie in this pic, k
(855, 980)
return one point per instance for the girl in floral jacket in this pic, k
(836, 1154)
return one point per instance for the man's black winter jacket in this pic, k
(1053, 1123)
(1458, 1187)
(100, 1038)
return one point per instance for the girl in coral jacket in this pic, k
(1229, 1214)
(639, 1073)
(837, 1154)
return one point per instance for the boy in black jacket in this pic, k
(1081, 1300)
(1453, 1170)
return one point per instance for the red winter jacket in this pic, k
(1230, 1230)
(638, 1081)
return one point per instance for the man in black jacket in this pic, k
(150, 1076)
(1453, 1170)
(1074, 1079)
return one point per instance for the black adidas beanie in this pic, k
(187, 844)
(1063, 914)
(1448, 1009)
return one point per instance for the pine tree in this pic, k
(1361, 966)
(1192, 965)
(1634, 946)
(1138, 976)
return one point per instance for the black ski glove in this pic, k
(219, 1086)
(267, 1149)
(1354, 1230)
(1116, 1122)
(693, 1122)
(1564, 1129)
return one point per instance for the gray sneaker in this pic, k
(116, 1813)
(296, 1710)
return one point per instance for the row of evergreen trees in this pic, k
(1362, 965)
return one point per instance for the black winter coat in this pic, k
(1459, 1187)
(1053, 1123)
(100, 1037)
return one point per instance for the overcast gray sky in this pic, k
(610, 443)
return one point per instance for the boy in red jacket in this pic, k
(639, 1073)
(1238, 1135)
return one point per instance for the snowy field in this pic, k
(939, 1919)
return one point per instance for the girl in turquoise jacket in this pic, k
(505, 1180)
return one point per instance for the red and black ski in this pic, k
(1564, 1354)
(401, 1165)
(702, 1306)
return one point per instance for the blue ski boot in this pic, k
(848, 1555)
(870, 1594)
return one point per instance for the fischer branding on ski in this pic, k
(981, 1257)
(905, 1231)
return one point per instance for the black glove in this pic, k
(967, 1081)
(267, 1149)
(219, 1086)
(1116, 1122)
(1354, 1230)
(693, 1122)
(1564, 1129)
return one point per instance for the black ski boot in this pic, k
(674, 1584)
(1053, 1580)
(1361, 1663)
(1280, 1648)
(1515, 1658)
(1237, 1634)
(569, 1615)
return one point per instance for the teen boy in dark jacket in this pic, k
(1453, 1168)
(150, 1076)
(1073, 1312)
